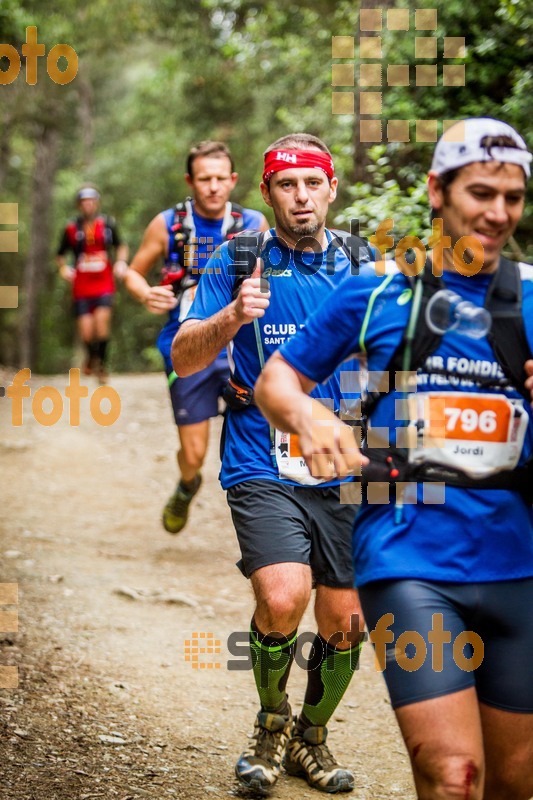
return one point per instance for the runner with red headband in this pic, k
(294, 533)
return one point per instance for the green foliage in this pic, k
(156, 76)
(498, 36)
(13, 21)
(385, 198)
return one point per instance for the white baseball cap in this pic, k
(88, 193)
(463, 144)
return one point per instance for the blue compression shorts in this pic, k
(485, 632)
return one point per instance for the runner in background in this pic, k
(183, 238)
(92, 237)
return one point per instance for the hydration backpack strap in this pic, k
(109, 224)
(181, 230)
(245, 248)
(79, 238)
(233, 220)
(355, 247)
(391, 466)
(509, 342)
(421, 340)
(507, 335)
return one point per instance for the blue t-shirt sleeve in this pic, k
(331, 334)
(252, 219)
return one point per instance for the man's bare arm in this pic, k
(198, 342)
(120, 265)
(157, 299)
(65, 270)
(327, 444)
(288, 410)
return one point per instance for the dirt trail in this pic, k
(107, 704)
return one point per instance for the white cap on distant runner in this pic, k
(472, 139)
(88, 193)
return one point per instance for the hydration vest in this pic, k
(508, 339)
(179, 262)
(248, 247)
(103, 234)
(244, 250)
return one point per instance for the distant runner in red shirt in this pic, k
(92, 237)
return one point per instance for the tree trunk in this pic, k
(5, 152)
(45, 167)
(13, 98)
(85, 116)
(360, 149)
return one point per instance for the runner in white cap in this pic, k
(443, 545)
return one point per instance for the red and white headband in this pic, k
(278, 160)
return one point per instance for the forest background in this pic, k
(156, 76)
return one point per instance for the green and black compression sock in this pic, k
(271, 661)
(329, 671)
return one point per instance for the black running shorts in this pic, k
(278, 523)
(87, 305)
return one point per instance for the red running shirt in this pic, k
(89, 241)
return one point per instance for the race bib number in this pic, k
(480, 434)
(290, 461)
(92, 262)
(186, 302)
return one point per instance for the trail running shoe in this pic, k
(309, 757)
(101, 373)
(176, 511)
(260, 764)
(87, 368)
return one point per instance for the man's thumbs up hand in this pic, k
(254, 296)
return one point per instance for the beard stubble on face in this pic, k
(305, 228)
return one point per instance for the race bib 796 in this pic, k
(480, 434)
